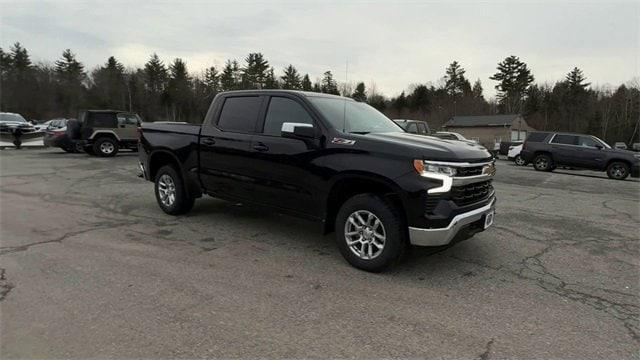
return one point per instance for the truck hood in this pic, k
(433, 148)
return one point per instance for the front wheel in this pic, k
(370, 233)
(543, 163)
(618, 170)
(171, 193)
(518, 160)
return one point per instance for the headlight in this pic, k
(424, 167)
(438, 172)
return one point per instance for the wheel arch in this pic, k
(160, 158)
(346, 185)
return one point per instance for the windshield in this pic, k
(353, 117)
(6, 117)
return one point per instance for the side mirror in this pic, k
(298, 131)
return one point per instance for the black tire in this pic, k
(543, 162)
(393, 228)
(89, 150)
(78, 148)
(69, 149)
(106, 147)
(519, 161)
(182, 202)
(618, 170)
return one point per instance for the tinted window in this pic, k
(565, 139)
(105, 120)
(239, 114)
(537, 137)
(282, 110)
(412, 128)
(351, 116)
(588, 142)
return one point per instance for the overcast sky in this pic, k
(393, 44)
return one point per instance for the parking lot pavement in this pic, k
(90, 267)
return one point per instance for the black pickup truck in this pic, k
(325, 158)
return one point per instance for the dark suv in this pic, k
(547, 150)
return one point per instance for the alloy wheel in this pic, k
(365, 234)
(167, 190)
(107, 147)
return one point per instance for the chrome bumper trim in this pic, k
(443, 236)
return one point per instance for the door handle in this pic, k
(208, 141)
(260, 147)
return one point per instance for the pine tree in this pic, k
(254, 74)
(455, 80)
(329, 85)
(70, 76)
(476, 91)
(306, 83)
(360, 93)
(212, 80)
(270, 81)
(229, 79)
(156, 75)
(400, 102)
(20, 60)
(291, 79)
(179, 91)
(575, 78)
(109, 85)
(514, 78)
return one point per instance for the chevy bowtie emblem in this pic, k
(489, 169)
(341, 141)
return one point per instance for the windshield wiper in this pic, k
(359, 132)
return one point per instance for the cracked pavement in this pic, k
(90, 267)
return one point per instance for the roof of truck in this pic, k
(280, 91)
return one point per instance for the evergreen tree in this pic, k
(291, 79)
(254, 74)
(212, 80)
(476, 91)
(156, 75)
(229, 79)
(270, 81)
(400, 102)
(514, 78)
(329, 85)
(575, 78)
(306, 83)
(360, 93)
(70, 77)
(455, 80)
(109, 85)
(179, 91)
(419, 100)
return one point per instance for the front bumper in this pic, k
(461, 227)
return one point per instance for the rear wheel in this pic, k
(171, 194)
(543, 163)
(106, 147)
(618, 170)
(370, 232)
(518, 160)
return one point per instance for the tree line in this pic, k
(160, 91)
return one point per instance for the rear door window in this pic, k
(412, 128)
(240, 114)
(104, 120)
(565, 139)
(282, 110)
(588, 142)
(537, 137)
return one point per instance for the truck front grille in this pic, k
(471, 193)
(469, 171)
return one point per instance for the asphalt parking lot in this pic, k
(91, 267)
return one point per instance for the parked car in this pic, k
(329, 159)
(514, 155)
(413, 126)
(505, 146)
(548, 150)
(105, 132)
(56, 136)
(16, 129)
(620, 145)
